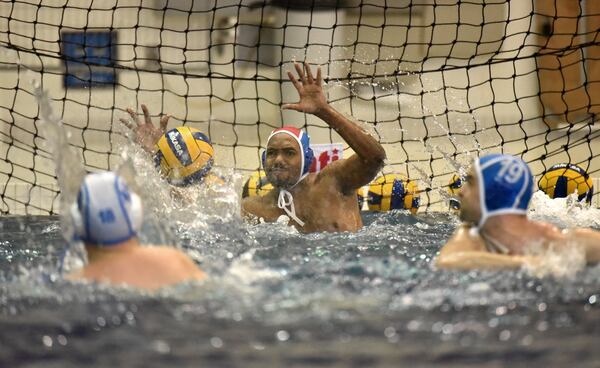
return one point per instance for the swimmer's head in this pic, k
(562, 180)
(184, 156)
(498, 184)
(106, 212)
(288, 157)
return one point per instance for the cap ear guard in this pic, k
(136, 213)
(309, 156)
(77, 216)
(77, 221)
(133, 216)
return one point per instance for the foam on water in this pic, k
(563, 212)
(565, 259)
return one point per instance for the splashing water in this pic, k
(69, 169)
(565, 259)
(69, 172)
(562, 260)
(377, 285)
(563, 212)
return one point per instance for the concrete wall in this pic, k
(422, 115)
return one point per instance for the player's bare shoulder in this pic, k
(251, 202)
(328, 173)
(255, 207)
(169, 258)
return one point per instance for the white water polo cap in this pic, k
(106, 212)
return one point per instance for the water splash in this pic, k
(562, 260)
(69, 171)
(563, 212)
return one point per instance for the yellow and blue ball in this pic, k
(257, 185)
(393, 191)
(562, 180)
(184, 156)
(453, 188)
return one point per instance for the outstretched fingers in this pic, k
(134, 115)
(163, 122)
(126, 123)
(319, 77)
(147, 118)
(293, 106)
(294, 81)
(309, 76)
(300, 73)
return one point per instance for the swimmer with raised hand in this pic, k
(107, 217)
(145, 133)
(324, 201)
(496, 232)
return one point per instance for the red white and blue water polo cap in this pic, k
(303, 141)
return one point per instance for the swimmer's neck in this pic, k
(96, 253)
(294, 188)
(502, 225)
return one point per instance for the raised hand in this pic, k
(145, 133)
(312, 98)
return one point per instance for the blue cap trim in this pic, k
(121, 195)
(84, 203)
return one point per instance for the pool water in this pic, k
(279, 298)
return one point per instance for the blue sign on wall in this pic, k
(89, 58)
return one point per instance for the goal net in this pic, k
(437, 82)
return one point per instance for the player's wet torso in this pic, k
(318, 203)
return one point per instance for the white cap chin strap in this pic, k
(286, 202)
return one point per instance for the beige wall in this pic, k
(465, 109)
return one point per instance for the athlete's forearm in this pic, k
(590, 240)
(480, 260)
(363, 144)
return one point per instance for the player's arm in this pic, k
(464, 251)
(145, 133)
(369, 156)
(469, 260)
(462, 241)
(75, 275)
(187, 264)
(251, 208)
(590, 240)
